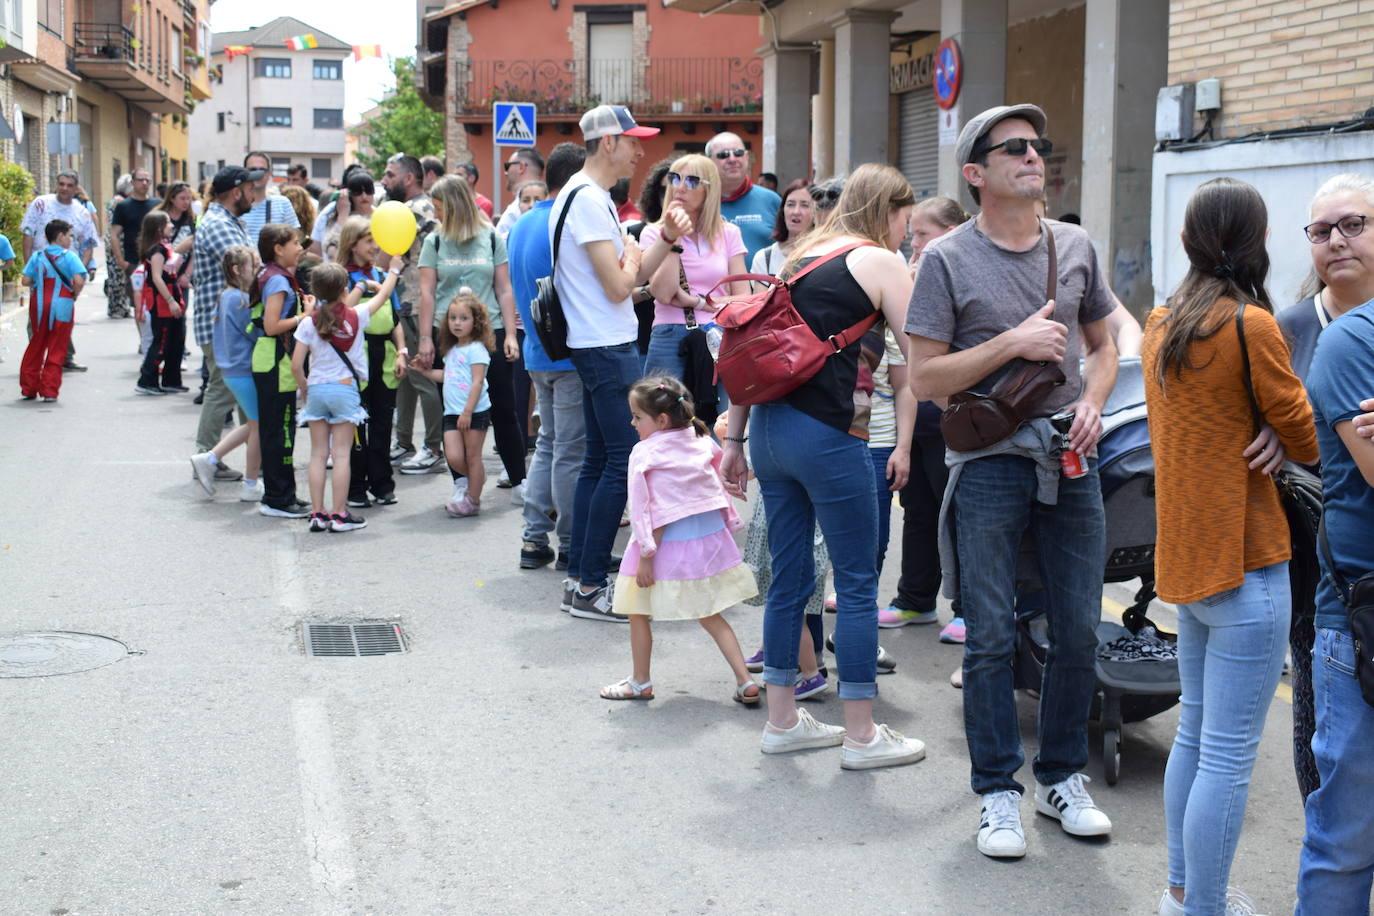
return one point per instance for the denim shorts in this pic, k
(333, 402)
(245, 392)
(480, 420)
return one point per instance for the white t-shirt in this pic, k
(325, 364)
(508, 218)
(593, 320)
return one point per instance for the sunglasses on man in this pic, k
(1016, 146)
(724, 154)
(691, 182)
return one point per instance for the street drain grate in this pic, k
(353, 640)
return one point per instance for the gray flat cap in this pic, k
(983, 122)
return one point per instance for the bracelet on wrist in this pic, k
(740, 439)
(665, 238)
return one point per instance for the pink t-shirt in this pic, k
(705, 267)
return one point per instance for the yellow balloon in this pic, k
(393, 227)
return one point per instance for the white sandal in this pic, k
(744, 698)
(628, 689)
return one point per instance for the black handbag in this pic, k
(546, 309)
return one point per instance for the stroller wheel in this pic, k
(1111, 754)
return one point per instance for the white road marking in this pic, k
(327, 840)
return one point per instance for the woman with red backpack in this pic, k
(162, 304)
(843, 276)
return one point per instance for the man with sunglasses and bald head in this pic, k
(979, 307)
(753, 208)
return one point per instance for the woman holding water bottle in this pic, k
(686, 253)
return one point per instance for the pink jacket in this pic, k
(674, 474)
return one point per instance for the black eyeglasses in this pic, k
(1016, 146)
(727, 153)
(513, 162)
(691, 181)
(1348, 226)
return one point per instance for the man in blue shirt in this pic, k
(552, 479)
(751, 207)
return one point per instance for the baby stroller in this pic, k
(1137, 664)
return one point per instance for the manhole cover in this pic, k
(352, 640)
(46, 654)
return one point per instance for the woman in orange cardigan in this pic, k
(1223, 547)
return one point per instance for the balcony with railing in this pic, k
(664, 87)
(108, 54)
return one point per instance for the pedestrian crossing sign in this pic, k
(513, 123)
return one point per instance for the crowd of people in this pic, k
(301, 318)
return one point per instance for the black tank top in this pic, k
(830, 300)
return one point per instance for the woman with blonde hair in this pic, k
(304, 205)
(686, 253)
(466, 250)
(845, 271)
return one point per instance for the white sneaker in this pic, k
(807, 733)
(887, 749)
(455, 500)
(204, 471)
(422, 462)
(1237, 904)
(250, 492)
(999, 832)
(517, 495)
(1071, 804)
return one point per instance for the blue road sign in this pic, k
(513, 123)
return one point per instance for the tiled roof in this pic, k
(274, 35)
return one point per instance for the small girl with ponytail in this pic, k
(682, 562)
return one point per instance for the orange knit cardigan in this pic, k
(1217, 519)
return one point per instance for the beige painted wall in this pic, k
(1045, 66)
(111, 142)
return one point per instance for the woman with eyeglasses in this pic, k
(1223, 548)
(356, 200)
(796, 216)
(686, 253)
(1337, 859)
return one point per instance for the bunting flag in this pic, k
(302, 42)
(361, 51)
(233, 51)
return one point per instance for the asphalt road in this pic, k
(219, 770)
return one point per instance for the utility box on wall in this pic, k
(1174, 113)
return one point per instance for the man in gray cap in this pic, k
(980, 304)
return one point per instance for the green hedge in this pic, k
(16, 190)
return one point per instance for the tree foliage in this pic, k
(404, 125)
(16, 190)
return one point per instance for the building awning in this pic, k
(738, 7)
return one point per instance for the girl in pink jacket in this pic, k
(682, 562)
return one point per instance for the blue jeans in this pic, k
(994, 505)
(607, 374)
(828, 481)
(884, 499)
(1230, 654)
(663, 358)
(552, 481)
(1337, 862)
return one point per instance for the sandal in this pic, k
(628, 690)
(748, 699)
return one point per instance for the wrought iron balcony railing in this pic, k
(690, 86)
(105, 41)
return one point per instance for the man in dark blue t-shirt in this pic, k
(552, 478)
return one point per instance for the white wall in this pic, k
(241, 92)
(1286, 172)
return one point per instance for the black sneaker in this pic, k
(533, 556)
(319, 521)
(596, 605)
(388, 499)
(200, 398)
(274, 512)
(359, 502)
(347, 522)
(72, 365)
(148, 389)
(561, 563)
(178, 389)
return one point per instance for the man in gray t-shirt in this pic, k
(979, 303)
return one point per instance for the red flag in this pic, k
(232, 51)
(361, 51)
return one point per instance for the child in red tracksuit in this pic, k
(56, 275)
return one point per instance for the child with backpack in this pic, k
(386, 356)
(332, 336)
(279, 307)
(56, 276)
(161, 304)
(682, 562)
(466, 342)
